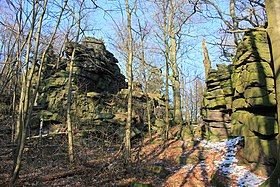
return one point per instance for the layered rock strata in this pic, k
(247, 101)
(216, 107)
(254, 104)
(99, 94)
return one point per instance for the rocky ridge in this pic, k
(98, 91)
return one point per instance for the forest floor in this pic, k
(174, 163)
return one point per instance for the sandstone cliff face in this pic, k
(249, 105)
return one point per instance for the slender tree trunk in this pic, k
(69, 86)
(206, 59)
(166, 98)
(143, 62)
(166, 55)
(187, 112)
(273, 14)
(174, 66)
(130, 78)
(196, 102)
(68, 112)
(234, 21)
(20, 131)
(26, 106)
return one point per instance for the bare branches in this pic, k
(246, 30)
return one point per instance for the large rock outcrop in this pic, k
(247, 102)
(254, 104)
(99, 94)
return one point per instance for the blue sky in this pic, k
(102, 24)
(197, 29)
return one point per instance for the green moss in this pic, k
(139, 184)
(265, 101)
(159, 170)
(240, 129)
(245, 123)
(253, 92)
(264, 125)
(255, 149)
(239, 103)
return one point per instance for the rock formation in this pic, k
(246, 100)
(98, 91)
(216, 107)
(254, 104)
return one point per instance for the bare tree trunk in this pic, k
(68, 112)
(145, 88)
(166, 98)
(273, 14)
(26, 106)
(234, 21)
(166, 55)
(130, 78)
(196, 101)
(174, 66)
(206, 59)
(187, 112)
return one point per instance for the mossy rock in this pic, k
(228, 100)
(260, 67)
(55, 82)
(240, 129)
(245, 123)
(139, 184)
(266, 101)
(159, 170)
(252, 49)
(104, 116)
(244, 80)
(264, 125)
(61, 73)
(203, 112)
(216, 102)
(239, 103)
(256, 149)
(255, 42)
(213, 85)
(49, 116)
(219, 133)
(226, 83)
(238, 90)
(242, 57)
(225, 125)
(252, 77)
(254, 92)
(240, 123)
(214, 94)
(227, 91)
(224, 76)
(212, 77)
(93, 95)
(217, 116)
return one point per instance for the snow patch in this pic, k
(227, 165)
